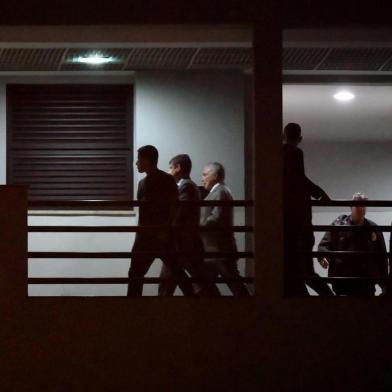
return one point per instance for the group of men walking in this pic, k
(171, 230)
(369, 265)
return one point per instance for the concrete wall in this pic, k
(199, 113)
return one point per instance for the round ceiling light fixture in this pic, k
(94, 59)
(344, 96)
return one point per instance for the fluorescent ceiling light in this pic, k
(344, 96)
(94, 59)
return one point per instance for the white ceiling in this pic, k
(366, 118)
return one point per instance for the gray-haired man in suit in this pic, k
(213, 178)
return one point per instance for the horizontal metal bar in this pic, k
(342, 78)
(127, 255)
(118, 280)
(134, 203)
(131, 229)
(341, 253)
(349, 203)
(334, 279)
(351, 228)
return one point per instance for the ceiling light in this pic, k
(94, 59)
(344, 96)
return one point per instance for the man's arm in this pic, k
(383, 261)
(215, 217)
(315, 191)
(184, 194)
(172, 198)
(390, 258)
(327, 244)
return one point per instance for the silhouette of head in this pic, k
(147, 159)
(180, 166)
(292, 134)
(358, 212)
(213, 173)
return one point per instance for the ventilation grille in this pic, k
(30, 59)
(294, 58)
(63, 59)
(232, 57)
(146, 58)
(337, 59)
(303, 58)
(356, 59)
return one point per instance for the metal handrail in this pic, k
(350, 203)
(351, 228)
(149, 280)
(344, 253)
(126, 255)
(334, 279)
(132, 229)
(134, 203)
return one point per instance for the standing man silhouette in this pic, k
(187, 234)
(159, 190)
(298, 233)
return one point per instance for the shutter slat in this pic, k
(70, 142)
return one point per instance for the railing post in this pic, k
(13, 246)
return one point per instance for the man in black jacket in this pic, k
(365, 266)
(298, 234)
(159, 190)
(186, 224)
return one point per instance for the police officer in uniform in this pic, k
(366, 266)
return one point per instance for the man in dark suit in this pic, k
(186, 224)
(213, 177)
(159, 190)
(298, 233)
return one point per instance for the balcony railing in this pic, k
(91, 205)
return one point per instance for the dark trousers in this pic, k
(189, 242)
(354, 289)
(140, 265)
(298, 267)
(228, 270)
(203, 285)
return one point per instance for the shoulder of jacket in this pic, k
(187, 183)
(168, 178)
(219, 191)
(227, 192)
(188, 186)
(371, 223)
(164, 174)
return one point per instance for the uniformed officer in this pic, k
(366, 266)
